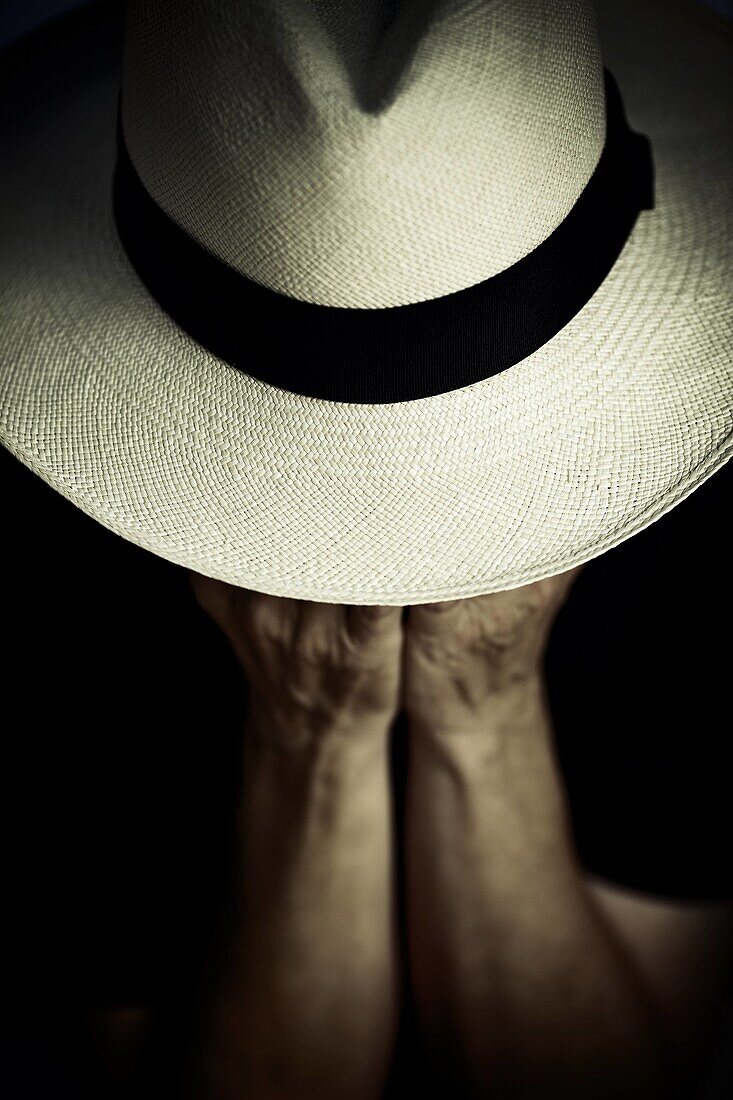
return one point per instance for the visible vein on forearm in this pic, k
(511, 962)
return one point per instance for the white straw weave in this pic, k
(544, 466)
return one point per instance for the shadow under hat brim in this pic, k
(579, 446)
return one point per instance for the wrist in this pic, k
(294, 774)
(512, 707)
(296, 732)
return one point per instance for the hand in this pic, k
(311, 667)
(460, 655)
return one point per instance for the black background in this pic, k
(122, 709)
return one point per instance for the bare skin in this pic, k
(305, 1002)
(522, 988)
(524, 980)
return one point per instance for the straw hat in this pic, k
(390, 302)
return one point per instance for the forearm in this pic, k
(308, 1000)
(520, 986)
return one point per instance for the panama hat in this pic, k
(374, 302)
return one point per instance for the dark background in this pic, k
(19, 16)
(120, 742)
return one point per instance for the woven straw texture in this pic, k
(308, 177)
(544, 466)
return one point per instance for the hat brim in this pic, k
(547, 465)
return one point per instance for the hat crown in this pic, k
(364, 154)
